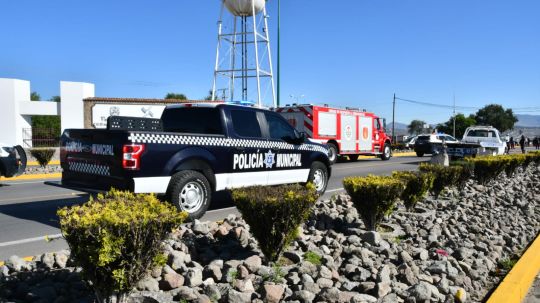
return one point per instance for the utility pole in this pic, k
(394, 119)
(454, 133)
(278, 44)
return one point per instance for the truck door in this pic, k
(377, 128)
(348, 133)
(291, 164)
(366, 133)
(249, 155)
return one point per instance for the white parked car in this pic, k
(488, 137)
(12, 160)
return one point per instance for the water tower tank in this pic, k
(244, 7)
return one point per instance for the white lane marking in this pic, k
(334, 190)
(44, 197)
(17, 183)
(29, 240)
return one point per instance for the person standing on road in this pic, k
(536, 143)
(512, 142)
(522, 143)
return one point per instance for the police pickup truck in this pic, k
(194, 150)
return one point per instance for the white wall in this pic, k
(16, 107)
(72, 105)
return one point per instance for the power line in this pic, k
(514, 109)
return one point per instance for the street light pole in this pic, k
(394, 119)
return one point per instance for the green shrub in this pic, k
(535, 155)
(416, 186)
(511, 163)
(465, 173)
(444, 176)
(373, 196)
(43, 156)
(313, 258)
(398, 146)
(487, 168)
(275, 213)
(117, 237)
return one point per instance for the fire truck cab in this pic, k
(351, 132)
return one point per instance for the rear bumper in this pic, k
(8, 166)
(95, 182)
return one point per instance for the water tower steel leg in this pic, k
(274, 103)
(233, 61)
(217, 51)
(256, 38)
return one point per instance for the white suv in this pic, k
(488, 137)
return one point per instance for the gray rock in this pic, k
(194, 277)
(363, 298)
(253, 263)
(203, 299)
(149, 297)
(324, 272)
(171, 281)
(212, 291)
(14, 263)
(47, 260)
(330, 295)
(367, 287)
(307, 268)
(148, 283)
(185, 293)
(304, 296)
(201, 228)
(311, 287)
(423, 254)
(421, 291)
(438, 267)
(178, 259)
(324, 283)
(61, 258)
(372, 237)
(242, 272)
(406, 275)
(243, 285)
(293, 256)
(383, 288)
(384, 274)
(4, 271)
(463, 253)
(239, 297)
(273, 293)
(293, 278)
(212, 271)
(390, 298)
(405, 257)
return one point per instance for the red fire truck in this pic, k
(349, 131)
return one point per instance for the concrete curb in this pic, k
(33, 177)
(515, 286)
(35, 163)
(2, 263)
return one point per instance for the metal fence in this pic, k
(41, 137)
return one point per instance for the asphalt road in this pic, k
(29, 225)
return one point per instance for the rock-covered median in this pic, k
(454, 246)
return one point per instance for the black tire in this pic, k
(332, 153)
(387, 152)
(353, 158)
(319, 173)
(185, 186)
(419, 154)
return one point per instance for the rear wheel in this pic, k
(318, 175)
(353, 158)
(332, 153)
(419, 154)
(387, 152)
(190, 191)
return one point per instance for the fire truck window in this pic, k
(279, 129)
(377, 124)
(245, 123)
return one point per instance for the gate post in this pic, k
(72, 105)
(12, 93)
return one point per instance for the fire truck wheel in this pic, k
(419, 154)
(318, 175)
(387, 152)
(332, 153)
(190, 191)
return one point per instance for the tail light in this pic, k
(132, 156)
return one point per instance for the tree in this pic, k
(462, 123)
(35, 96)
(209, 97)
(176, 96)
(55, 99)
(496, 116)
(416, 127)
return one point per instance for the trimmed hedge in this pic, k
(416, 186)
(373, 196)
(43, 156)
(487, 168)
(117, 237)
(444, 176)
(275, 213)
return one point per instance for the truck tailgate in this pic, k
(93, 158)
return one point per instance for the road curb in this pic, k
(36, 163)
(515, 286)
(33, 177)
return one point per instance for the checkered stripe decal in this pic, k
(93, 169)
(218, 141)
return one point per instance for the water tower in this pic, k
(243, 70)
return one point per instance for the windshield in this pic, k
(482, 133)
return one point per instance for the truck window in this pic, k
(245, 123)
(278, 128)
(377, 124)
(194, 120)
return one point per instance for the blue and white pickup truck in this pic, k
(194, 150)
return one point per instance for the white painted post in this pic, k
(12, 93)
(72, 105)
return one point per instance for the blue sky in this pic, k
(347, 53)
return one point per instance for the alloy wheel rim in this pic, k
(318, 180)
(191, 197)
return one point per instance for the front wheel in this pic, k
(387, 152)
(318, 175)
(190, 191)
(419, 154)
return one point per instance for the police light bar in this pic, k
(242, 103)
